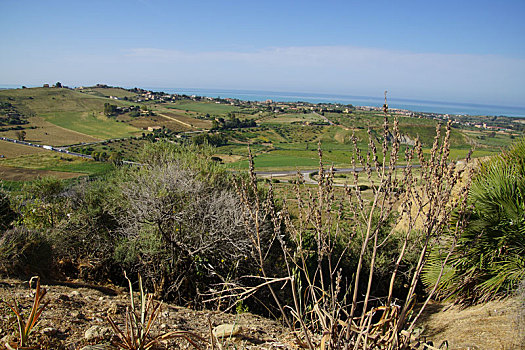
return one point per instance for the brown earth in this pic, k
(24, 174)
(13, 150)
(47, 133)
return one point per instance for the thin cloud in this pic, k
(352, 69)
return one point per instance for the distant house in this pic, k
(153, 128)
(46, 85)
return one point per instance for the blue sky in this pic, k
(462, 51)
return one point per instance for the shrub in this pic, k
(180, 225)
(7, 214)
(24, 253)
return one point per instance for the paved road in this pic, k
(307, 173)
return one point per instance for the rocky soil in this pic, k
(76, 318)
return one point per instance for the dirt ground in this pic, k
(493, 325)
(75, 308)
(76, 317)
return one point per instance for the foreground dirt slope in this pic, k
(73, 311)
(493, 325)
(77, 314)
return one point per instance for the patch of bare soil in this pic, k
(24, 174)
(492, 325)
(76, 317)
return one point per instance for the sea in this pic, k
(425, 106)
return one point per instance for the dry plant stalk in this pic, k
(329, 311)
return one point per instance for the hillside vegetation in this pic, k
(331, 263)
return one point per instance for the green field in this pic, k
(269, 161)
(91, 124)
(292, 118)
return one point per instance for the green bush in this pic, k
(24, 253)
(7, 214)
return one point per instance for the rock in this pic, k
(64, 297)
(97, 332)
(227, 330)
(75, 293)
(50, 331)
(75, 314)
(98, 347)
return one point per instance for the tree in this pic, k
(109, 109)
(58, 84)
(115, 158)
(21, 135)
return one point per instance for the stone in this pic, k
(75, 314)
(50, 331)
(98, 347)
(97, 332)
(227, 330)
(64, 297)
(75, 293)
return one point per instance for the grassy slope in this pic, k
(72, 110)
(107, 92)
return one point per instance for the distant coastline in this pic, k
(425, 106)
(408, 104)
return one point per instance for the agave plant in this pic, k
(138, 324)
(25, 327)
(489, 259)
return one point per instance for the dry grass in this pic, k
(145, 122)
(193, 122)
(226, 158)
